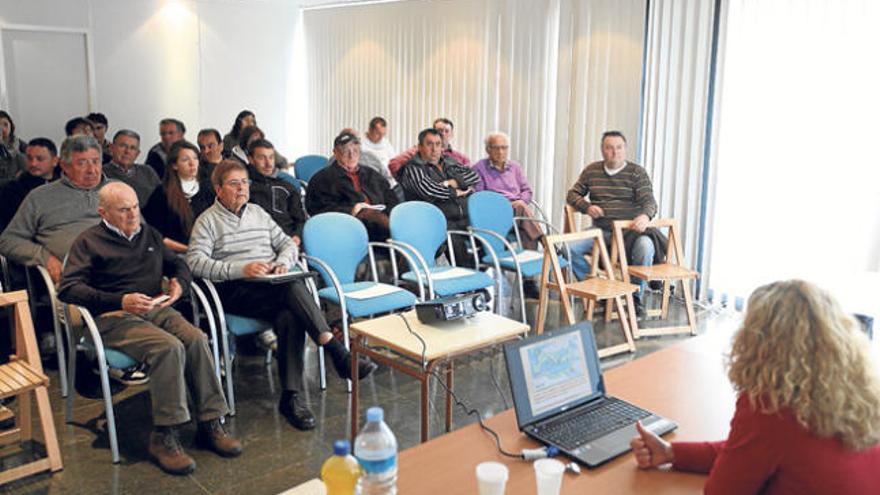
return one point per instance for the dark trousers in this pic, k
(178, 355)
(291, 309)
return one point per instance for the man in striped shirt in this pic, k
(615, 189)
(234, 240)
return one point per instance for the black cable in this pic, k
(467, 409)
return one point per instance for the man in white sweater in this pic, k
(234, 240)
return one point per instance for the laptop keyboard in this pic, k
(590, 423)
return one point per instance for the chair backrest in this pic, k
(574, 220)
(421, 225)
(674, 253)
(305, 166)
(337, 239)
(491, 211)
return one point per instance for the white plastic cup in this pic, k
(548, 476)
(491, 478)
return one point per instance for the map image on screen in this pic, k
(556, 372)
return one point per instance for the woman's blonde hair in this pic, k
(798, 350)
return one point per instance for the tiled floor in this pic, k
(276, 455)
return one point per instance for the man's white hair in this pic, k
(107, 194)
(496, 134)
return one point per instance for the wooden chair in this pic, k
(22, 375)
(596, 287)
(668, 273)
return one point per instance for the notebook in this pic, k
(560, 398)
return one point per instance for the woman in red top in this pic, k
(807, 420)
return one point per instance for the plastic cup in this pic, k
(548, 476)
(491, 478)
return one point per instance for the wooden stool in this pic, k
(597, 287)
(21, 376)
(668, 272)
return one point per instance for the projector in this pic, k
(451, 307)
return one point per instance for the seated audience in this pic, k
(170, 132)
(12, 158)
(52, 215)
(234, 240)
(243, 120)
(438, 179)
(42, 158)
(617, 189)
(246, 138)
(807, 419)
(100, 126)
(122, 167)
(444, 127)
(210, 151)
(376, 143)
(275, 195)
(115, 271)
(79, 126)
(345, 186)
(180, 199)
(499, 174)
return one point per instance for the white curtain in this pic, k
(553, 74)
(797, 190)
(677, 72)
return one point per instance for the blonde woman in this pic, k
(808, 415)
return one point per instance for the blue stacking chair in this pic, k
(491, 218)
(305, 167)
(112, 358)
(336, 244)
(239, 326)
(420, 228)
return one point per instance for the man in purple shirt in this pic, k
(504, 176)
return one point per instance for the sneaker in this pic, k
(212, 435)
(129, 376)
(166, 450)
(268, 340)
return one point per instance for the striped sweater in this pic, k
(222, 243)
(622, 196)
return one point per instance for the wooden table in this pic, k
(387, 340)
(685, 383)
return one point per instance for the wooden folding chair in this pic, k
(668, 272)
(22, 375)
(596, 287)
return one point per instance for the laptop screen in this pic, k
(553, 372)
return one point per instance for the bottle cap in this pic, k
(341, 447)
(375, 414)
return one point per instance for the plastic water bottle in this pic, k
(376, 450)
(340, 472)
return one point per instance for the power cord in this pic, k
(526, 454)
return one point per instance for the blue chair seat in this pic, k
(362, 307)
(115, 359)
(450, 286)
(242, 325)
(529, 268)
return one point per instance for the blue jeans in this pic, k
(642, 253)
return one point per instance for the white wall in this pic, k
(201, 61)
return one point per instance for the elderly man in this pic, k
(275, 195)
(444, 127)
(51, 216)
(439, 179)
(41, 168)
(345, 186)
(499, 174)
(170, 132)
(617, 189)
(135, 316)
(125, 150)
(233, 241)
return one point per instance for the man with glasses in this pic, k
(122, 167)
(234, 240)
(345, 186)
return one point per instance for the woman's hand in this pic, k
(649, 449)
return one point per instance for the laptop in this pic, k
(560, 398)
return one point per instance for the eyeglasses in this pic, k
(238, 183)
(499, 147)
(128, 147)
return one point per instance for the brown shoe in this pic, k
(166, 449)
(212, 435)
